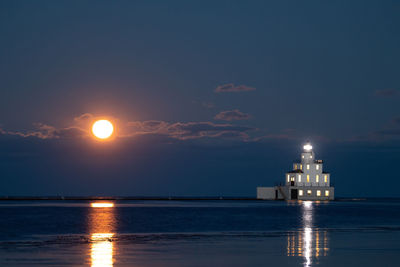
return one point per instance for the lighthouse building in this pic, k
(307, 181)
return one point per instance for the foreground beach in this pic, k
(200, 233)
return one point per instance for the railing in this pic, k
(282, 193)
(303, 184)
(309, 185)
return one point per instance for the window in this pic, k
(308, 166)
(318, 193)
(317, 167)
(301, 166)
(302, 156)
(310, 156)
(308, 178)
(292, 179)
(299, 177)
(326, 178)
(309, 192)
(288, 177)
(300, 192)
(327, 193)
(295, 166)
(317, 178)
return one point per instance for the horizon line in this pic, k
(180, 198)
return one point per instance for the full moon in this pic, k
(102, 129)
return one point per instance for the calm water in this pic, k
(200, 233)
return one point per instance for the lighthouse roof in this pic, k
(296, 171)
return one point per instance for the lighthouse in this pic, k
(306, 181)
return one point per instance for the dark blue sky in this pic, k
(209, 97)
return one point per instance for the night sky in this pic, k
(209, 98)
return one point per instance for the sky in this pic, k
(208, 98)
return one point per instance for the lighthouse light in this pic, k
(307, 147)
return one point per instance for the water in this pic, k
(200, 233)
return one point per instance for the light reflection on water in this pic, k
(102, 223)
(309, 242)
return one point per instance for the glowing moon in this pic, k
(102, 129)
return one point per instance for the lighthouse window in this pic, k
(308, 166)
(308, 178)
(317, 178)
(327, 193)
(309, 192)
(326, 178)
(300, 192)
(299, 177)
(318, 193)
(288, 177)
(317, 167)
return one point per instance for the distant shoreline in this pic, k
(176, 198)
(121, 198)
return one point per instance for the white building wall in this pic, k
(312, 172)
(266, 192)
(313, 193)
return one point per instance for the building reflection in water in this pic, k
(102, 223)
(310, 242)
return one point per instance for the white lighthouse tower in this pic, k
(307, 181)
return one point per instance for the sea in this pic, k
(346, 232)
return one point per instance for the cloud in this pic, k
(230, 87)
(145, 127)
(170, 131)
(387, 93)
(192, 130)
(230, 115)
(71, 132)
(84, 117)
(44, 131)
(187, 130)
(80, 128)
